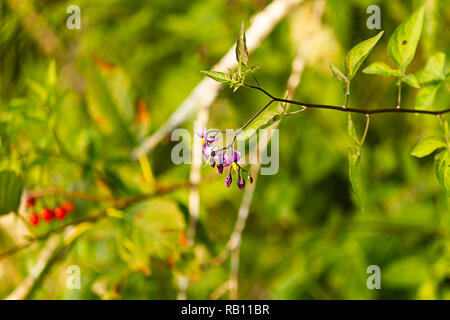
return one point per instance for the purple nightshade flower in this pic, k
(228, 179)
(220, 167)
(206, 150)
(240, 181)
(203, 134)
(236, 156)
(226, 160)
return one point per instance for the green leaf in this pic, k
(407, 272)
(338, 74)
(381, 69)
(351, 129)
(270, 115)
(51, 74)
(110, 103)
(354, 170)
(427, 146)
(411, 80)
(442, 167)
(10, 191)
(425, 96)
(403, 43)
(356, 56)
(241, 48)
(433, 70)
(218, 76)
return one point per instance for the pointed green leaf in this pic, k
(356, 56)
(434, 70)
(218, 76)
(351, 129)
(403, 43)
(411, 80)
(427, 146)
(270, 115)
(425, 96)
(241, 47)
(354, 170)
(381, 69)
(10, 191)
(442, 167)
(338, 74)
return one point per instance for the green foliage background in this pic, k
(69, 118)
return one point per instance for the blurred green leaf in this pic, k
(356, 56)
(351, 129)
(411, 80)
(381, 69)
(427, 146)
(402, 44)
(434, 70)
(51, 74)
(442, 167)
(354, 170)
(405, 272)
(10, 191)
(426, 95)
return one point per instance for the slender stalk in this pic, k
(365, 130)
(338, 108)
(256, 114)
(346, 100)
(399, 94)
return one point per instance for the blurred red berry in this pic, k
(31, 202)
(33, 219)
(47, 214)
(68, 206)
(60, 213)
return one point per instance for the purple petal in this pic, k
(228, 180)
(212, 139)
(226, 160)
(236, 155)
(202, 133)
(206, 150)
(220, 167)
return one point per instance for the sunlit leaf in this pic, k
(381, 69)
(269, 116)
(356, 56)
(427, 146)
(434, 70)
(338, 74)
(218, 76)
(425, 96)
(411, 80)
(402, 44)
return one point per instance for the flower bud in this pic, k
(228, 180)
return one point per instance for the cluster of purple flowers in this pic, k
(223, 157)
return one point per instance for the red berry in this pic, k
(47, 214)
(31, 202)
(68, 206)
(33, 219)
(60, 213)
